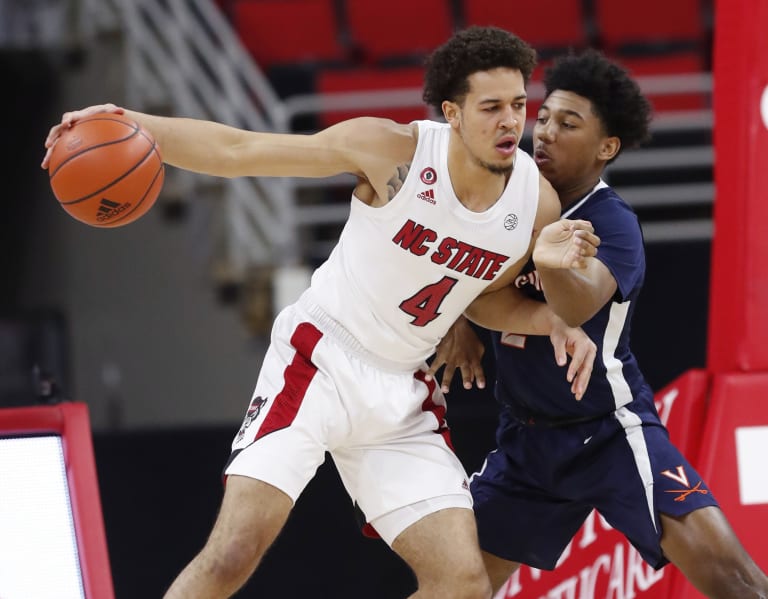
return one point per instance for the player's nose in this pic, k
(509, 118)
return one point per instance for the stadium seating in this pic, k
(372, 79)
(279, 32)
(397, 31)
(336, 46)
(626, 27)
(550, 27)
(671, 64)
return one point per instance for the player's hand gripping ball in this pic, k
(106, 170)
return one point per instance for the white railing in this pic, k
(35, 23)
(182, 57)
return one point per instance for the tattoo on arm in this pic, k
(396, 182)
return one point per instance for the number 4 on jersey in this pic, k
(425, 303)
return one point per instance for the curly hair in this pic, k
(616, 98)
(469, 51)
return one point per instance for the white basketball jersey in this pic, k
(401, 274)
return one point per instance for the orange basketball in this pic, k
(106, 170)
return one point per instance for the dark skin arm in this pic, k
(564, 245)
(462, 349)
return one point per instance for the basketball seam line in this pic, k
(110, 184)
(89, 148)
(140, 202)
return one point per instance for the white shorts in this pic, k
(385, 430)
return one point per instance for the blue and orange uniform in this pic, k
(558, 458)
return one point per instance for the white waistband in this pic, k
(331, 327)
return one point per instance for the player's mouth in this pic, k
(541, 157)
(507, 145)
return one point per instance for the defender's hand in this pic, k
(565, 244)
(574, 342)
(460, 348)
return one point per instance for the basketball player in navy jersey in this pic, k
(442, 213)
(557, 458)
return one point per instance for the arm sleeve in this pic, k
(621, 245)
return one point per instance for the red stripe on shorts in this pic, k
(439, 411)
(297, 377)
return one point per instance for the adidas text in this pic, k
(109, 209)
(427, 196)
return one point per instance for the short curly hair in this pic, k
(616, 98)
(469, 51)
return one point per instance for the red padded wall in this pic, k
(738, 320)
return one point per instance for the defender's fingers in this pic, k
(445, 384)
(591, 239)
(581, 225)
(480, 377)
(579, 386)
(580, 354)
(581, 381)
(467, 375)
(585, 239)
(574, 367)
(434, 367)
(561, 352)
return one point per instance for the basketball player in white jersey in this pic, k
(441, 214)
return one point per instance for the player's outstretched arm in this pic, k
(575, 284)
(220, 150)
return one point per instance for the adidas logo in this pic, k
(109, 209)
(427, 196)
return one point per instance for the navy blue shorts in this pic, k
(535, 491)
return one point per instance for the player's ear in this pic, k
(609, 147)
(451, 112)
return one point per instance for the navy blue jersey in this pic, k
(529, 380)
(559, 458)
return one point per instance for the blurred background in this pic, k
(160, 326)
